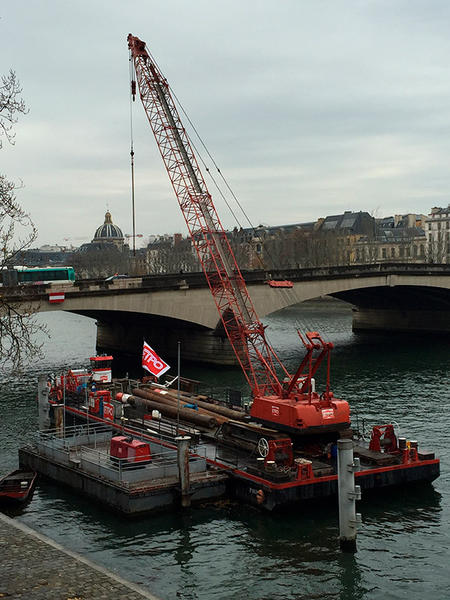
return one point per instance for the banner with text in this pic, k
(152, 362)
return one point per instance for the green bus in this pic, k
(37, 275)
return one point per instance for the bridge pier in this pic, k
(197, 344)
(401, 320)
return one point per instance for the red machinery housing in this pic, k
(280, 452)
(286, 401)
(301, 409)
(383, 439)
(77, 380)
(129, 450)
(100, 403)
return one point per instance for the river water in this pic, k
(230, 551)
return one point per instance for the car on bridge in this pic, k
(116, 276)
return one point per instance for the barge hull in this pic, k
(134, 502)
(247, 488)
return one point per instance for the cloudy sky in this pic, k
(309, 108)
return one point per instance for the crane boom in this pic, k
(291, 403)
(242, 326)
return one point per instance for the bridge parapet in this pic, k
(177, 281)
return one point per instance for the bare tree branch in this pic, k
(11, 104)
(18, 328)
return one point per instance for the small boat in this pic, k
(17, 487)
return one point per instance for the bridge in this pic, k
(179, 307)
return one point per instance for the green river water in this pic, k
(230, 551)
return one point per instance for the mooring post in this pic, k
(43, 405)
(58, 412)
(183, 468)
(348, 494)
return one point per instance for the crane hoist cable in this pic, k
(133, 211)
(208, 170)
(235, 198)
(285, 294)
(213, 161)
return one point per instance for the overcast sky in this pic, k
(309, 108)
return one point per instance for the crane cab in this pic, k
(299, 409)
(301, 414)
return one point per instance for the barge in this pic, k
(228, 457)
(131, 474)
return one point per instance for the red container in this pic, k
(129, 450)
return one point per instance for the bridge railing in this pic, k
(176, 281)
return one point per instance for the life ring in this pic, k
(260, 496)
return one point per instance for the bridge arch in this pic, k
(405, 297)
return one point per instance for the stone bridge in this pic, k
(170, 308)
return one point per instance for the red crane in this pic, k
(289, 403)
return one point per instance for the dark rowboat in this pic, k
(17, 486)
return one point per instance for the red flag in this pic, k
(152, 362)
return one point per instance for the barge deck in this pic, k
(81, 460)
(236, 459)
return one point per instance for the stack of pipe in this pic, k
(168, 409)
(170, 404)
(200, 401)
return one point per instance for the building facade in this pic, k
(437, 229)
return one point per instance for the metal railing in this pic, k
(87, 447)
(73, 436)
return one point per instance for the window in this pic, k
(383, 252)
(392, 252)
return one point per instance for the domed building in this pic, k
(105, 255)
(109, 233)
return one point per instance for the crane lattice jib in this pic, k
(242, 326)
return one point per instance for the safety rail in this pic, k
(70, 437)
(231, 457)
(86, 447)
(150, 467)
(229, 397)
